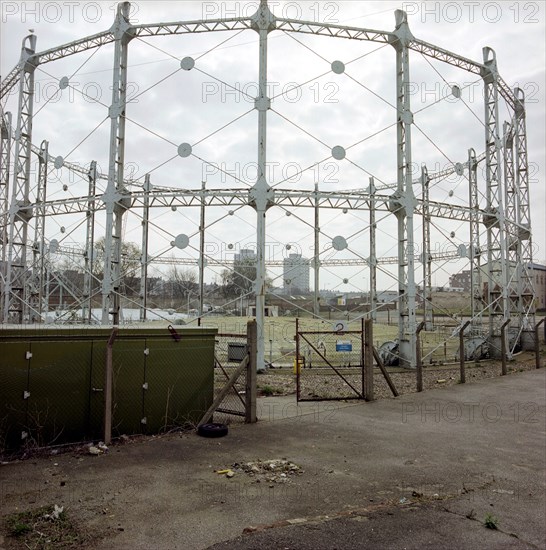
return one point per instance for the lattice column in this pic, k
(474, 250)
(5, 160)
(261, 195)
(89, 252)
(526, 292)
(38, 248)
(144, 253)
(403, 202)
(316, 259)
(426, 256)
(512, 254)
(373, 252)
(15, 296)
(494, 217)
(116, 196)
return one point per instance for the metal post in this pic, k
(368, 360)
(144, 254)
(202, 251)
(108, 385)
(116, 196)
(419, 370)
(15, 299)
(251, 370)
(504, 347)
(261, 195)
(373, 253)
(537, 342)
(316, 261)
(403, 202)
(461, 353)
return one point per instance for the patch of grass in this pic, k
(267, 390)
(40, 529)
(491, 522)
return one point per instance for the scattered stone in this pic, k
(92, 450)
(230, 474)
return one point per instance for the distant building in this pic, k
(461, 280)
(538, 275)
(536, 271)
(295, 274)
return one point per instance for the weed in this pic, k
(44, 528)
(491, 522)
(267, 390)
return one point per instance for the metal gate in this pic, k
(329, 365)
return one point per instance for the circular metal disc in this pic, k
(184, 150)
(339, 243)
(338, 67)
(450, 193)
(59, 162)
(452, 234)
(345, 281)
(230, 246)
(338, 152)
(181, 241)
(188, 63)
(459, 169)
(288, 247)
(63, 83)
(456, 91)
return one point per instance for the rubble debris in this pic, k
(270, 471)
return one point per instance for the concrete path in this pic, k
(420, 471)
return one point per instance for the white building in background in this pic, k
(295, 274)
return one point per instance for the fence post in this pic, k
(368, 360)
(537, 342)
(251, 373)
(461, 353)
(503, 347)
(108, 378)
(419, 358)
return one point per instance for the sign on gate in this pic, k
(344, 345)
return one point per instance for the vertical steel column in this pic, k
(143, 295)
(373, 253)
(316, 259)
(526, 293)
(261, 195)
(474, 252)
(202, 251)
(426, 256)
(5, 160)
(15, 295)
(113, 197)
(38, 248)
(510, 200)
(494, 218)
(403, 202)
(89, 252)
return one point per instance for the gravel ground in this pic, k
(324, 383)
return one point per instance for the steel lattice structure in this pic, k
(504, 260)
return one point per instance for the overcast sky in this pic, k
(170, 106)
